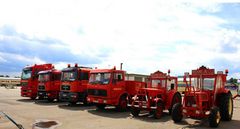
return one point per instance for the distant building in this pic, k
(136, 77)
(7, 81)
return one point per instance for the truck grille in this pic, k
(41, 87)
(65, 87)
(97, 92)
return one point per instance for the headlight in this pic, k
(197, 112)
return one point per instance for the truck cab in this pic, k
(109, 87)
(29, 79)
(49, 84)
(74, 82)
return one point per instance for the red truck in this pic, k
(49, 84)
(109, 87)
(29, 79)
(74, 82)
(160, 95)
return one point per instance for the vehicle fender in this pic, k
(170, 97)
(125, 94)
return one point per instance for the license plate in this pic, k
(95, 101)
(64, 95)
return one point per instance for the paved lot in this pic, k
(27, 112)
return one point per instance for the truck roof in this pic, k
(74, 68)
(49, 71)
(105, 70)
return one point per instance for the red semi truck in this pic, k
(29, 79)
(49, 84)
(74, 82)
(109, 87)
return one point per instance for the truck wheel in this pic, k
(177, 98)
(33, 98)
(100, 106)
(177, 113)
(159, 111)
(85, 102)
(135, 111)
(50, 99)
(226, 106)
(122, 106)
(73, 103)
(214, 117)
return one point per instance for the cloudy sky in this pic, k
(144, 35)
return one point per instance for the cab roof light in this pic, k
(76, 65)
(226, 71)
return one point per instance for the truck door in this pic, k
(118, 84)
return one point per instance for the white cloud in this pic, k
(144, 35)
(21, 58)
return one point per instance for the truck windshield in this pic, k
(158, 83)
(69, 76)
(99, 78)
(203, 83)
(44, 77)
(26, 74)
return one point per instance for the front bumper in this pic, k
(71, 96)
(99, 100)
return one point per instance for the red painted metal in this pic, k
(29, 79)
(202, 91)
(49, 84)
(108, 87)
(163, 92)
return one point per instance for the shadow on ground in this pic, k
(26, 100)
(144, 116)
(76, 107)
(47, 103)
(110, 112)
(203, 124)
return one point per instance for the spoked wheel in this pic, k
(177, 113)
(177, 98)
(122, 106)
(214, 117)
(159, 111)
(226, 106)
(135, 111)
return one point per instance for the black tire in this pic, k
(175, 98)
(85, 102)
(73, 103)
(177, 112)
(135, 111)
(33, 98)
(159, 111)
(122, 105)
(50, 99)
(226, 106)
(214, 117)
(100, 106)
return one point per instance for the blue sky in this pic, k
(145, 35)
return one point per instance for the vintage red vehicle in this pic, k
(161, 93)
(109, 87)
(29, 79)
(49, 84)
(74, 82)
(205, 97)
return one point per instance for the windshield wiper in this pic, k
(9, 118)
